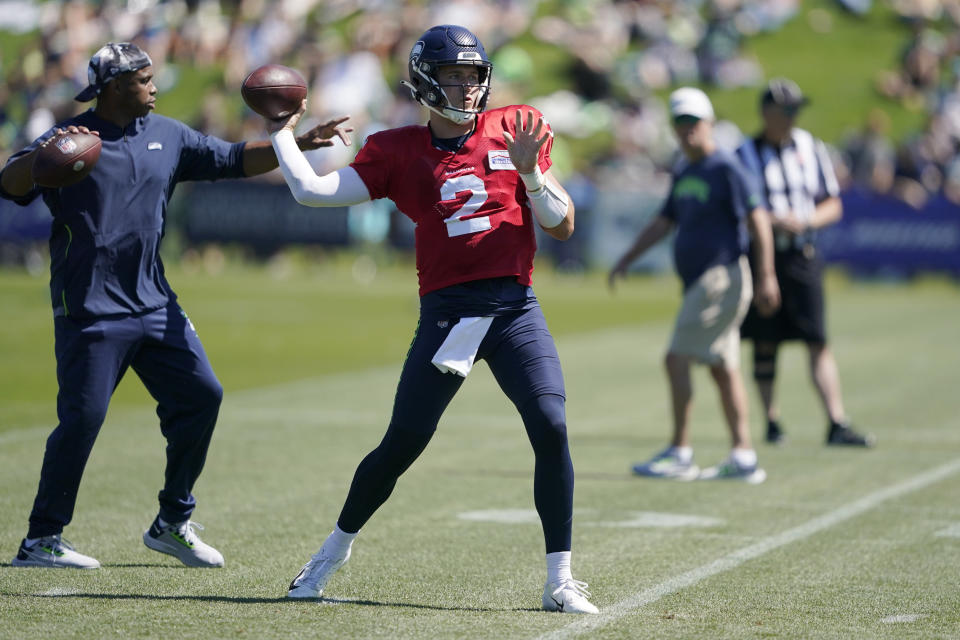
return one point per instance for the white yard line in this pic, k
(57, 591)
(953, 531)
(905, 617)
(611, 613)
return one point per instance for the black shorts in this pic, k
(801, 313)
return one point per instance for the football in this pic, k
(66, 159)
(274, 91)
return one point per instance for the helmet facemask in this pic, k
(441, 47)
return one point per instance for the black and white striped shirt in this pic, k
(795, 177)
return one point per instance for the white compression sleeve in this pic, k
(341, 187)
(549, 204)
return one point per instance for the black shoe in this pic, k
(775, 435)
(843, 435)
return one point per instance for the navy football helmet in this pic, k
(444, 45)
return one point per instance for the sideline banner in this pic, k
(264, 216)
(883, 235)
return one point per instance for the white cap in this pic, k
(690, 101)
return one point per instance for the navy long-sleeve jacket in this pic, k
(106, 230)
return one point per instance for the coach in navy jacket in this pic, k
(112, 305)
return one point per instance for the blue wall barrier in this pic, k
(263, 216)
(883, 235)
(877, 235)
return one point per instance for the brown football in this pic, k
(274, 91)
(66, 159)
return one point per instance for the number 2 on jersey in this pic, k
(456, 225)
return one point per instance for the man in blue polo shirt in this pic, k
(113, 308)
(712, 203)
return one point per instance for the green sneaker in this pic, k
(53, 552)
(730, 470)
(181, 541)
(666, 464)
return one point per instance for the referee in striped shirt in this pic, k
(802, 195)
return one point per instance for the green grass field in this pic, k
(836, 544)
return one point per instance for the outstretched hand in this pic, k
(322, 134)
(525, 143)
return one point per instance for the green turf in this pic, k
(300, 413)
(263, 326)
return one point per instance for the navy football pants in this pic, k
(523, 358)
(165, 352)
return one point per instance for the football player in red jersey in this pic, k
(474, 182)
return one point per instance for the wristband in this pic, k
(535, 181)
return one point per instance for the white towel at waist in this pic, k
(459, 350)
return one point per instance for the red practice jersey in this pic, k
(470, 206)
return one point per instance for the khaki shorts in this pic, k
(708, 324)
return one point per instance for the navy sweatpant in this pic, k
(523, 358)
(165, 352)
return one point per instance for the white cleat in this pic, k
(314, 575)
(53, 552)
(182, 542)
(569, 596)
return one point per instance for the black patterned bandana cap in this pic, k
(113, 59)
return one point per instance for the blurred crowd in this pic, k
(927, 80)
(608, 57)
